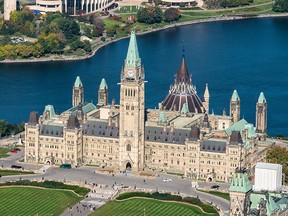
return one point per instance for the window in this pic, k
(128, 147)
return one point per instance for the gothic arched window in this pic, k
(128, 147)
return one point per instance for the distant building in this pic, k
(71, 7)
(180, 136)
(268, 177)
(9, 6)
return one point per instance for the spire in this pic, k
(78, 82)
(235, 96)
(206, 93)
(103, 84)
(183, 74)
(132, 58)
(261, 98)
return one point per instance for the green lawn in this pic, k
(32, 201)
(152, 208)
(14, 172)
(3, 152)
(217, 193)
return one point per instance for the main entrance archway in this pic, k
(128, 167)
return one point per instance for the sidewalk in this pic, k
(98, 196)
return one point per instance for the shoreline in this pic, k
(94, 50)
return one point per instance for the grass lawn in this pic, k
(3, 152)
(136, 206)
(14, 172)
(217, 193)
(32, 201)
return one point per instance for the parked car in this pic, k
(13, 151)
(17, 149)
(65, 166)
(215, 186)
(167, 180)
(16, 167)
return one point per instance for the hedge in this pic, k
(167, 196)
(49, 184)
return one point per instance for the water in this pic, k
(247, 55)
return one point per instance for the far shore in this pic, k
(93, 52)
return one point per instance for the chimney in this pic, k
(109, 121)
(165, 128)
(172, 127)
(113, 102)
(117, 121)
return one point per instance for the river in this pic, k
(248, 55)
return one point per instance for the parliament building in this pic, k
(180, 136)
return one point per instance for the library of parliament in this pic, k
(180, 136)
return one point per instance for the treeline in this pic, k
(7, 129)
(52, 34)
(168, 196)
(151, 15)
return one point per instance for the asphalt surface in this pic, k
(87, 175)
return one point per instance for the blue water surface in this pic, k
(248, 55)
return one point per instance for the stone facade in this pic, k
(9, 6)
(180, 138)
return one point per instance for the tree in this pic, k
(171, 14)
(87, 46)
(51, 43)
(150, 15)
(280, 6)
(279, 155)
(98, 27)
(69, 27)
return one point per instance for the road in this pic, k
(88, 175)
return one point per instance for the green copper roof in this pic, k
(50, 109)
(162, 117)
(240, 126)
(78, 82)
(103, 84)
(86, 107)
(132, 58)
(261, 98)
(235, 96)
(240, 183)
(184, 109)
(271, 206)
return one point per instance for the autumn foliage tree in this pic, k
(171, 14)
(150, 15)
(279, 155)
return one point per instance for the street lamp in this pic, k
(156, 188)
(178, 190)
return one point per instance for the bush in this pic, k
(50, 184)
(150, 15)
(280, 6)
(171, 14)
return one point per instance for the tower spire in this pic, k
(133, 59)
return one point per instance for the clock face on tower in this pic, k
(130, 73)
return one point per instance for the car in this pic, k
(215, 186)
(167, 180)
(17, 149)
(65, 166)
(13, 151)
(16, 167)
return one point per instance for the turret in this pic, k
(206, 99)
(235, 107)
(78, 92)
(103, 93)
(239, 191)
(261, 117)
